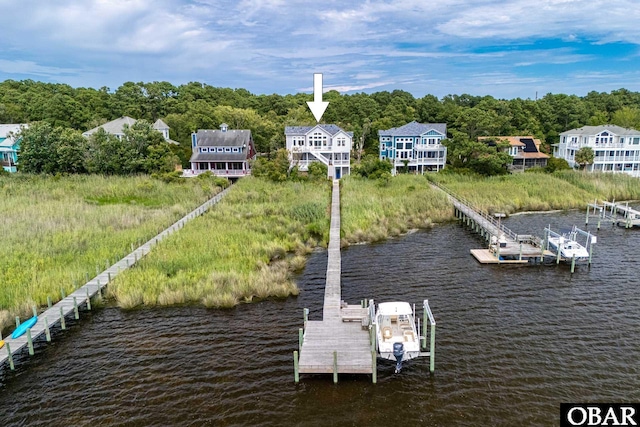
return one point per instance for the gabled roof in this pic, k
(8, 128)
(594, 130)
(113, 127)
(331, 129)
(530, 145)
(218, 138)
(160, 125)
(414, 129)
(7, 142)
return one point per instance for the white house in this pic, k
(116, 127)
(328, 144)
(225, 152)
(418, 145)
(616, 149)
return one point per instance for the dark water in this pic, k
(512, 344)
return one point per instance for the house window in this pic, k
(636, 141)
(227, 149)
(220, 149)
(400, 145)
(409, 146)
(235, 150)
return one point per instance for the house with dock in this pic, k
(325, 143)
(524, 150)
(10, 145)
(116, 127)
(414, 146)
(225, 153)
(616, 149)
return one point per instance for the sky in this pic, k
(502, 48)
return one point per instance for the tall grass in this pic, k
(55, 231)
(246, 247)
(539, 191)
(374, 210)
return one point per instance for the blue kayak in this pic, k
(22, 329)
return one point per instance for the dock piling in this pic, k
(75, 308)
(374, 372)
(30, 342)
(63, 324)
(335, 367)
(88, 300)
(11, 365)
(573, 264)
(296, 374)
(300, 338)
(17, 321)
(48, 301)
(47, 332)
(35, 310)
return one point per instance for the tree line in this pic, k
(192, 106)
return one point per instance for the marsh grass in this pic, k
(246, 248)
(57, 230)
(374, 210)
(539, 191)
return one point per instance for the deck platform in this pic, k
(341, 341)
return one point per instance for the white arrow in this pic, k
(318, 106)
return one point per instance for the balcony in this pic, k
(224, 173)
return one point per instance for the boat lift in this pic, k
(575, 235)
(616, 213)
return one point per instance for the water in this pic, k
(513, 342)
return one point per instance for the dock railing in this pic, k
(485, 215)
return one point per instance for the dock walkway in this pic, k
(341, 341)
(57, 313)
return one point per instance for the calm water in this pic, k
(512, 344)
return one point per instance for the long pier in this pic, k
(505, 246)
(616, 213)
(71, 304)
(342, 342)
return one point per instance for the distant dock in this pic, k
(616, 213)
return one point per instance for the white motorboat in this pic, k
(568, 248)
(397, 334)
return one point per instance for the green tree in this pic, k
(584, 156)
(38, 148)
(627, 117)
(71, 152)
(555, 164)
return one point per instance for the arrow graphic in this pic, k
(318, 106)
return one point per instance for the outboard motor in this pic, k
(398, 352)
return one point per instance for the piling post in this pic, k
(17, 321)
(573, 263)
(598, 223)
(63, 325)
(558, 255)
(586, 221)
(590, 253)
(48, 301)
(520, 255)
(374, 368)
(11, 365)
(335, 367)
(47, 332)
(296, 373)
(305, 312)
(108, 277)
(423, 339)
(300, 338)
(88, 300)
(29, 342)
(432, 349)
(75, 308)
(35, 311)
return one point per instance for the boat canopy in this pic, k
(390, 308)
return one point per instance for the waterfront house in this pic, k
(416, 146)
(226, 152)
(326, 143)
(524, 150)
(615, 149)
(10, 145)
(116, 127)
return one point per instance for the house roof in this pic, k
(593, 130)
(114, 126)
(530, 145)
(160, 125)
(414, 129)
(8, 128)
(218, 138)
(331, 129)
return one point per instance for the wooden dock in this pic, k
(505, 246)
(616, 213)
(81, 298)
(342, 341)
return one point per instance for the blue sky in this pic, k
(506, 49)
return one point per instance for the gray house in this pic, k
(225, 152)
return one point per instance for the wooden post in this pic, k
(586, 221)
(590, 253)
(108, 277)
(573, 263)
(335, 367)
(520, 256)
(432, 349)
(35, 311)
(49, 301)
(300, 338)
(88, 300)
(75, 308)
(423, 339)
(63, 325)
(29, 342)
(11, 365)
(47, 332)
(374, 370)
(558, 255)
(296, 374)
(305, 313)
(17, 321)
(598, 223)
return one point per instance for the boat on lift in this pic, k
(397, 335)
(568, 247)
